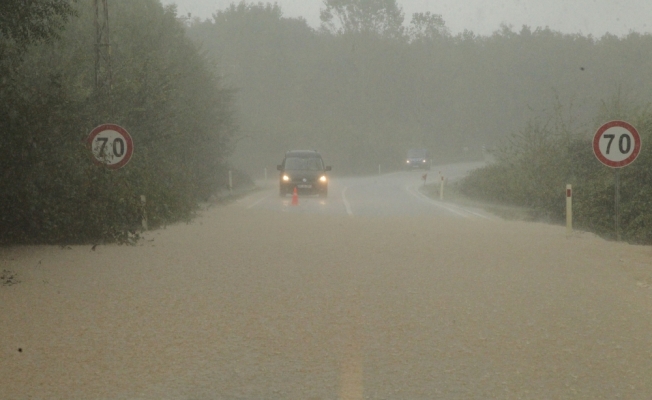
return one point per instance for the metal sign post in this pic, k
(103, 73)
(616, 144)
(617, 203)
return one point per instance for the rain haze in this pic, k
(588, 17)
(400, 200)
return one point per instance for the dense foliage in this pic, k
(165, 93)
(535, 164)
(24, 22)
(364, 88)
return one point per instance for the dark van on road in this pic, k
(304, 170)
(418, 158)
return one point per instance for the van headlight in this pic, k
(286, 178)
(323, 179)
(408, 161)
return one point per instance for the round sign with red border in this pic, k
(111, 145)
(616, 144)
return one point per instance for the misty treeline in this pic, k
(371, 83)
(165, 93)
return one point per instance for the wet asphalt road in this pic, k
(373, 293)
(393, 194)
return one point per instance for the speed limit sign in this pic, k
(616, 144)
(111, 145)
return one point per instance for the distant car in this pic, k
(304, 170)
(418, 158)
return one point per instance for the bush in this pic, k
(534, 167)
(164, 93)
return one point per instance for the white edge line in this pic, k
(450, 208)
(478, 214)
(258, 201)
(421, 196)
(346, 202)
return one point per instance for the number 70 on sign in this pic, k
(111, 145)
(616, 144)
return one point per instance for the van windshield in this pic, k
(417, 153)
(300, 163)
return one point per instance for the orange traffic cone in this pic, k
(295, 197)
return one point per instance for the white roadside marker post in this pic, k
(143, 203)
(569, 210)
(230, 181)
(441, 187)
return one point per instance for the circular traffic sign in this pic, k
(616, 144)
(111, 145)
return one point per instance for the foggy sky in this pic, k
(595, 17)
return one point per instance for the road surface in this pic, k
(403, 299)
(395, 194)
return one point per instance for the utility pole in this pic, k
(103, 74)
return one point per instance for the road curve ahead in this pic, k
(262, 300)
